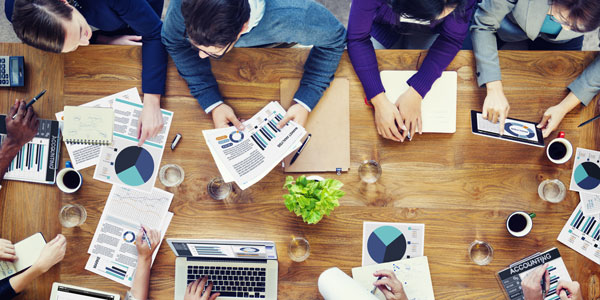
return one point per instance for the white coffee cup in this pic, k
(68, 187)
(569, 149)
(517, 228)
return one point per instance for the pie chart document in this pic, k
(586, 172)
(386, 242)
(124, 163)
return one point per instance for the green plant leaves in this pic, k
(310, 199)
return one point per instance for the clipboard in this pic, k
(329, 123)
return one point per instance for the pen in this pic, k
(145, 235)
(588, 121)
(32, 101)
(175, 141)
(300, 150)
(375, 287)
(543, 283)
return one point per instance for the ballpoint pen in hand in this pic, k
(145, 236)
(32, 101)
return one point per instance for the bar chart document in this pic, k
(582, 234)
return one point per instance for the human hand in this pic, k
(150, 122)
(389, 285)
(297, 113)
(532, 289)
(130, 40)
(21, 129)
(223, 115)
(387, 118)
(53, 253)
(551, 119)
(196, 290)
(142, 247)
(409, 106)
(572, 287)
(495, 105)
(7, 251)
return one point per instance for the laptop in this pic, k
(62, 291)
(237, 269)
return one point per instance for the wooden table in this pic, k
(460, 185)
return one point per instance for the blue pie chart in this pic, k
(587, 175)
(385, 244)
(134, 166)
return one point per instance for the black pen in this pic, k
(300, 150)
(32, 101)
(588, 121)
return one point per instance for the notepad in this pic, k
(28, 251)
(88, 125)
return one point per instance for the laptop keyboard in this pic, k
(232, 281)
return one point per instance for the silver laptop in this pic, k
(61, 291)
(237, 269)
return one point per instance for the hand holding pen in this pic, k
(30, 103)
(536, 284)
(146, 242)
(389, 285)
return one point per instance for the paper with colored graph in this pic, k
(249, 155)
(586, 172)
(582, 234)
(386, 242)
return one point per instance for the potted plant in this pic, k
(312, 199)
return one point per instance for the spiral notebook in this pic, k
(88, 125)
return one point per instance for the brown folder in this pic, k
(329, 124)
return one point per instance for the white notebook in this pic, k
(88, 125)
(28, 251)
(438, 108)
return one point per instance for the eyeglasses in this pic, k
(212, 55)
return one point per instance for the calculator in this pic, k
(12, 71)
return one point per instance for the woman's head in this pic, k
(577, 15)
(426, 10)
(50, 25)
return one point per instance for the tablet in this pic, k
(515, 130)
(61, 291)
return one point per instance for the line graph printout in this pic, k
(125, 210)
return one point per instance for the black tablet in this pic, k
(517, 131)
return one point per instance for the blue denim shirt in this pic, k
(302, 21)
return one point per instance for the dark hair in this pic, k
(425, 10)
(38, 23)
(584, 15)
(214, 22)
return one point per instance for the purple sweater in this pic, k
(376, 18)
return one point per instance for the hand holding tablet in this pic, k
(515, 130)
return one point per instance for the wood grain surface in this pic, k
(460, 185)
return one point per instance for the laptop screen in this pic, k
(224, 249)
(69, 293)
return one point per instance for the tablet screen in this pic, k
(517, 129)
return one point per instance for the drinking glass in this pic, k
(72, 215)
(218, 189)
(552, 190)
(299, 249)
(369, 171)
(481, 252)
(171, 175)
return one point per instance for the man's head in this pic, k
(213, 26)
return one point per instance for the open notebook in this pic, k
(88, 125)
(28, 251)
(438, 108)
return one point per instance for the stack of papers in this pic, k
(249, 155)
(113, 251)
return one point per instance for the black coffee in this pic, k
(517, 223)
(71, 179)
(557, 150)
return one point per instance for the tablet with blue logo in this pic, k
(515, 130)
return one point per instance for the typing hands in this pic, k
(495, 105)
(389, 285)
(7, 250)
(150, 122)
(387, 118)
(197, 290)
(531, 285)
(21, 129)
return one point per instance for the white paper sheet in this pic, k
(582, 234)
(413, 273)
(590, 203)
(336, 285)
(386, 242)
(124, 163)
(247, 156)
(586, 172)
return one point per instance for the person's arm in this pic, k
(141, 279)
(554, 114)
(52, 253)
(572, 288)
(19, 131)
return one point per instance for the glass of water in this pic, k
(369, 171)
(72, 215)
(219, 189)
(481, 252)
(299, 249)
(171, 175)
(552, 190)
